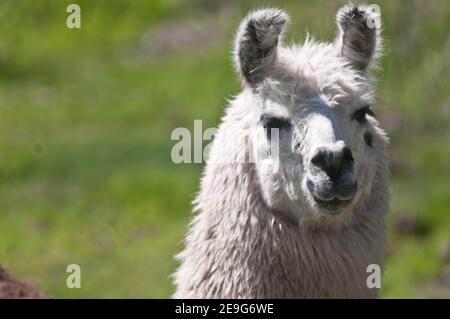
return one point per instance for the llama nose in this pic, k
(333, 161)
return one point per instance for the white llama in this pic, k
(307, 222)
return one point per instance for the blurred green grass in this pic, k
(86, 117)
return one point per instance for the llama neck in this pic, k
(230, 193)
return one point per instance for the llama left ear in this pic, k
(256, 44)
(359, 38)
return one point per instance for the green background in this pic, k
(86, 116)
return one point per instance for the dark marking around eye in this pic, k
(271, 122)
(360, 114)
(368, 138)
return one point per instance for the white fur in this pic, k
(258, 232)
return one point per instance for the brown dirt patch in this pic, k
(12, 288)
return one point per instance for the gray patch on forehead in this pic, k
(294, 90)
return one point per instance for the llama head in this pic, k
(315, 141)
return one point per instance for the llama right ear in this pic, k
(359, 39)
(256, 44)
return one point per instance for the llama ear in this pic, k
(359, 34)
(256, 44)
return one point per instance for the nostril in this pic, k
(347, 154)
(321, 158)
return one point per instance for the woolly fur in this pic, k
(241, 246)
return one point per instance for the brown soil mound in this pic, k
(14, 288)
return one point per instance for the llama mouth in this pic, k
(336, 198)
(332, 205)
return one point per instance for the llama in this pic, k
(307, 222)
(11, 288)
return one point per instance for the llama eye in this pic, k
(360, 114)
(271, 122)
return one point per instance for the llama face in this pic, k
(314, 152)
(316, 142)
